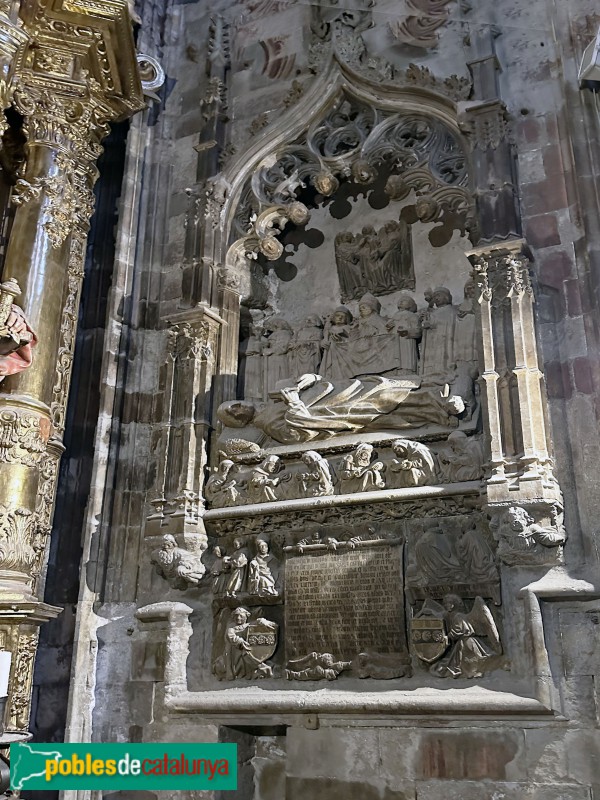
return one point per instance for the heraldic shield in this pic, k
(429, 638)
(262, 639)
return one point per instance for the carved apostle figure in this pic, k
(375, 349)
(437, 348)
(413, 465)
(305, 347)
(349, 266)
(238, 660)
(317, 481)
(278, 336)
(360, 471)
(407, 325)
(222, 489)
(264, 481)
(337, 362)
(263, 574)
(462, 459)
(237, 563)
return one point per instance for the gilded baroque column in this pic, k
(81, 75)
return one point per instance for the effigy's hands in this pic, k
(16, 324)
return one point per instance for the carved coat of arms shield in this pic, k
(262, 640)
(429, 639)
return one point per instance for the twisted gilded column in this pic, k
(81, 75)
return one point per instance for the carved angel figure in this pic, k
(177, 566)
(317, 481)
(473, 637)
(521, 540)
(263, 573)
(413, 465)
(360, 473)
(315, 667)
(238, 660)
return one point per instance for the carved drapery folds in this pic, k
(81, 75)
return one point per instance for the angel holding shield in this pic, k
(473, 637)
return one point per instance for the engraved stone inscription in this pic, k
(345, 603)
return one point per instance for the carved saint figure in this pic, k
(462, 459)
(437, 348)
(238, 660)
(305, 347)
(178, 566)
(386, 270)
(317, 481)
(278, 335)
(264, 481)
(336, 357)
(413, 465)
(522, 541)
(465, 343)
(222, 489)
(315, 667)
(473, 637)
(359, 473)
(313, 408)
(263, 574)
(407, 325)
(238, 569)
(349, 266)
(16, 343)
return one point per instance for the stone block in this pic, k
(335, 753)
(471, 755)
(331, 789)
(484, 790)
(542, 231)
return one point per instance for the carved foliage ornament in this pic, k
(420, 25)
(23, 438)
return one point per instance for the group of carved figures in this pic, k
(438, 344)
(240, 573)
(413, 464)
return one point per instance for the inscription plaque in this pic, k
(345, 603)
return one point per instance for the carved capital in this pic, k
(190, 341)
(23, 437)
(486, 125)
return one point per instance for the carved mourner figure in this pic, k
(221, 488)
(219, 571)
(359, 473)
(253, 370)
(318, 480)
(349, 266)
(242, 657)
(462, 459)
(413, 465)
(264, 481)
(263, 574)
(407, 325)
(312, 408)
